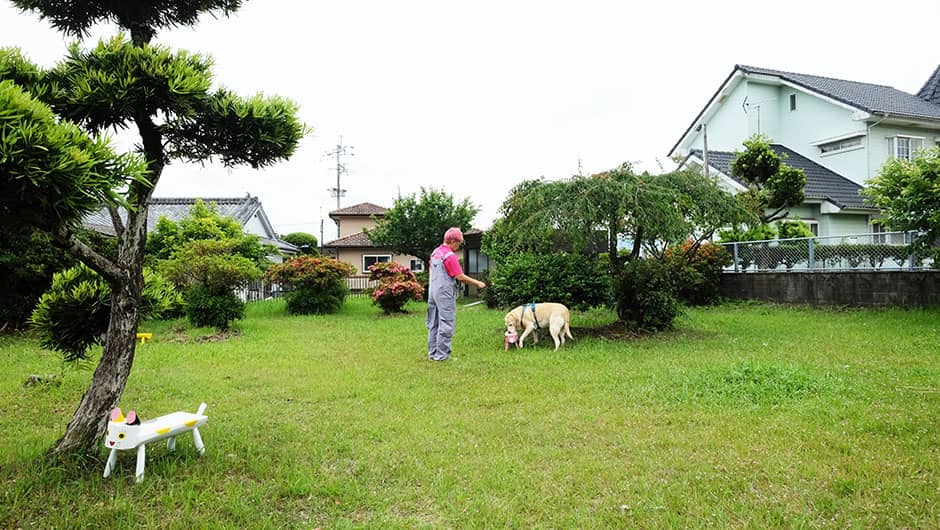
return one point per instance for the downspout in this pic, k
(868, 145)
(868, 154)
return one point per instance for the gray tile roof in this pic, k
(821, 183)
(242, 209)
(876, 99)
(176, 208)
(931, 89)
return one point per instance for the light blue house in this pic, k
(839, 132)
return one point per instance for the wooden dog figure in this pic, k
(129, 433)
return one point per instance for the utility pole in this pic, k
(321, 230)
(338, 191)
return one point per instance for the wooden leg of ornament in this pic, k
(141, 460)
(109, 465)
(197, 439)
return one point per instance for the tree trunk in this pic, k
(91, 418)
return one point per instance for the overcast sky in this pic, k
(473, 98)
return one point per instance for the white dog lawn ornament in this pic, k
(129, 433)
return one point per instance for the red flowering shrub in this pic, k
(697, 273)
(397, 285)
(315, 284)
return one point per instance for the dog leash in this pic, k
(535, 315)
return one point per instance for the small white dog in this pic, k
(532, 317)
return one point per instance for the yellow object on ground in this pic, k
(144, 337)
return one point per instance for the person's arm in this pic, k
(466, 279)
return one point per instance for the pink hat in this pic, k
(453, 235)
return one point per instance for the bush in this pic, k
(697, 274)
(316, 285)
(72, 316)
(208, 270)
(27, 262)
(646, 299)
(207, 306)
(397, 285)
(307, 243)
(575, 280)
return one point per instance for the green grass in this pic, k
(745, 416)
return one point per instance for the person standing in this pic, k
(442, 294)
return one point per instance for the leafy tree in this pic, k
(307, 243)
(205, 223)
(908, 194)
(415, 225)
(52, 174)
(773, 187)
(208, 270)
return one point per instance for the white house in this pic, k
(839, 132)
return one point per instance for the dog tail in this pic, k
(568, 331)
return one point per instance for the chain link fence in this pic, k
(878, 251)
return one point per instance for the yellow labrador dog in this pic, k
(532, 317)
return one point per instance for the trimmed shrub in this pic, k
(576, 280)
(646, 299)
(211, 268)
(72, 316)
(397, 285)
(316, 285)
(207, 306)
(697, 274)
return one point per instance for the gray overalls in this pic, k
(442, 309)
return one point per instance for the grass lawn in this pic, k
(745, 416)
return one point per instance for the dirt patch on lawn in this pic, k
(179, 335)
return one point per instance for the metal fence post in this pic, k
(909, 239)
(811, 256)
(735, 257)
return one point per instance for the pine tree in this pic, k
(167, 97)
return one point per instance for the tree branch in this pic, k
(116, 221)
(100, 264)
(773, 216)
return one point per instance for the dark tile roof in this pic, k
(821, 183)
(242, 209)
(364, 208)
(880, 99)
(176, 208)
(931, 89)
(355, 240)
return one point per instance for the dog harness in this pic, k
(535, 317)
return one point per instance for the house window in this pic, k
(841, 145)
(905, 147)
(792, 102)
(371, 259)
(417, 265)
(877, 234)
(477, 261)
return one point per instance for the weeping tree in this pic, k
(651, 211)
(167, 97)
